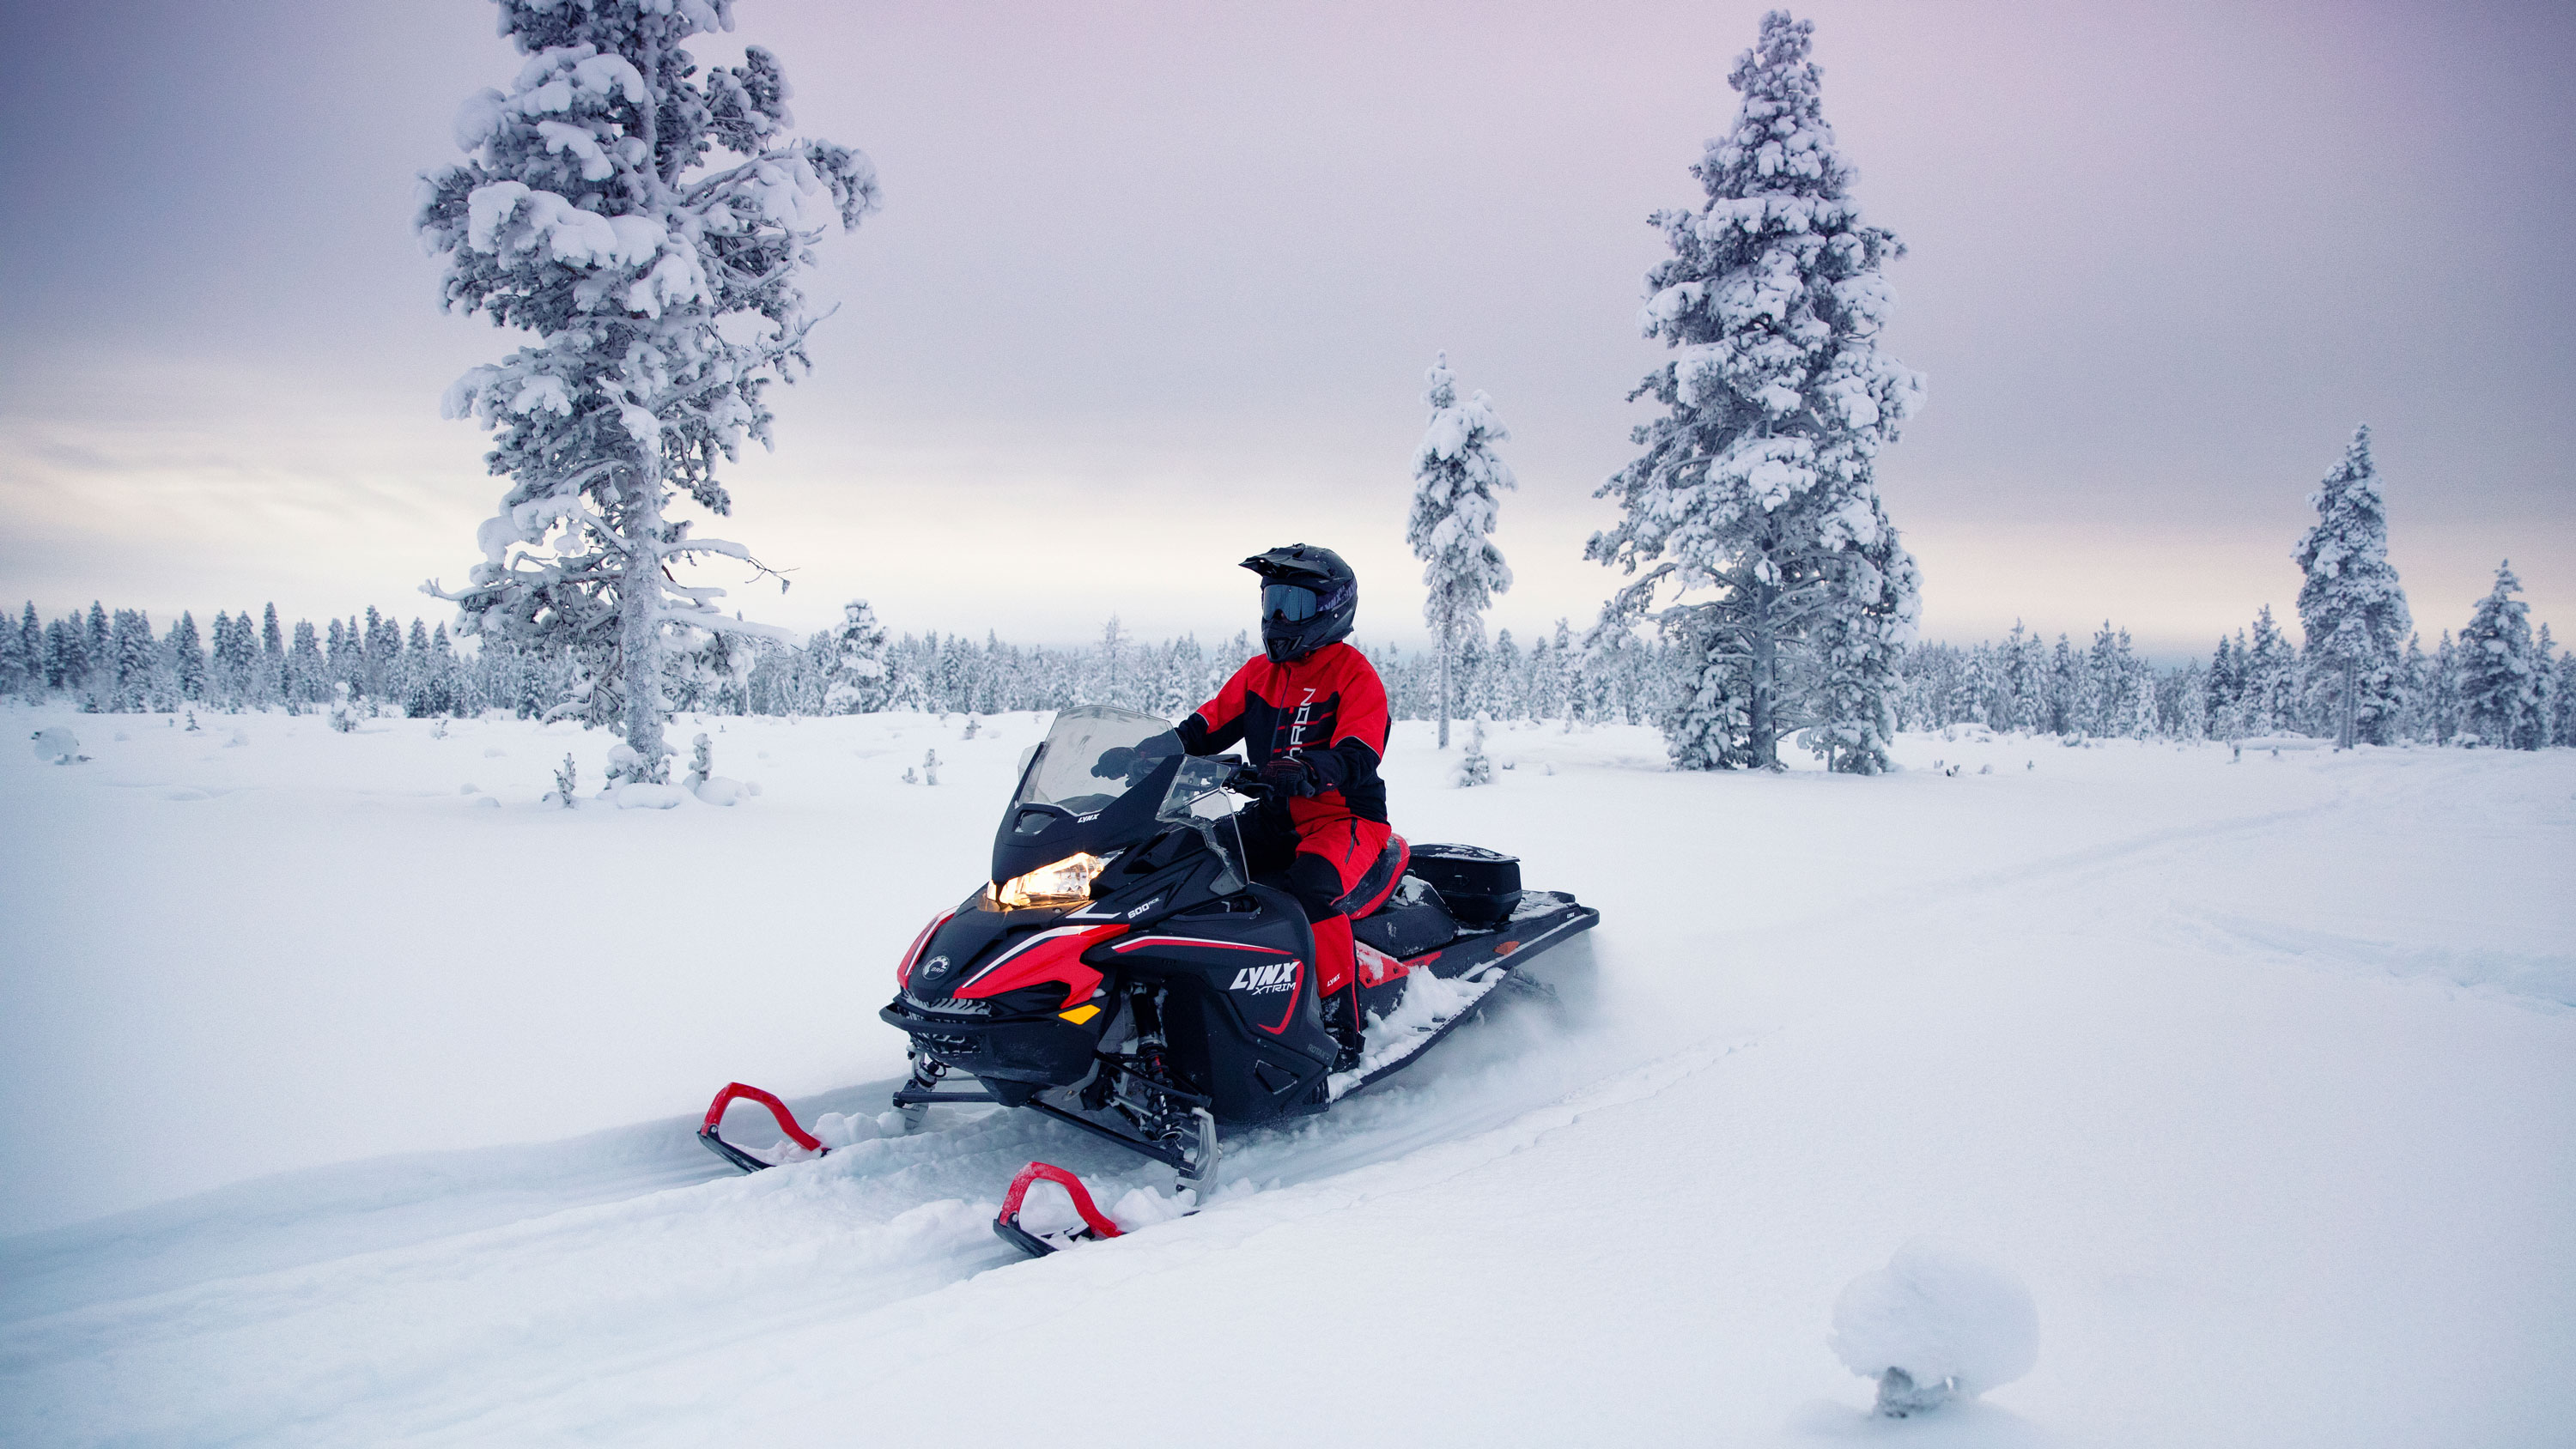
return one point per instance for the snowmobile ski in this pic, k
(1006, 1223)
(744, 1157)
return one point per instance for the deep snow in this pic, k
(2260, 1074)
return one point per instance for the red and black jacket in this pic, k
(1328, 709)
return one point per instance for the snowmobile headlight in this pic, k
(1067, 882)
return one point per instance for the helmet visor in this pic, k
(1291, 602)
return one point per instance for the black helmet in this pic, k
(1308, 599)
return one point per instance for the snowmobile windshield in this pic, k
(1094, 756)
(1103, 780)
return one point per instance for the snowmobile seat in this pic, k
(1377, 883)
(1412, 921)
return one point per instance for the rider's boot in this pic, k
(1337, 988)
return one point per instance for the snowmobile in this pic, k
(1124, 971)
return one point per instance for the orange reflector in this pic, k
(1080, 1014)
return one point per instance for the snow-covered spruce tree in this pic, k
(1455, 477)
(2499, 702)
(861, 674)
(22, 668)
(187, 651)
(2351, 606)
(1756, 486)
(304, 678)
(272, 655)
(2544, 691)
(2269, 675)
(660, 281)
(2562, 726)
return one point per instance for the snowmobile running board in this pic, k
(1510, 952)
(1006, 1223)
(924, 1097)
(1175, 1158)
(736, 1091)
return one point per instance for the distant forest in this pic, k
(2256, 682)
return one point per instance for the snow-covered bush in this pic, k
(58, 746)
(344, 711)
(1934, 1323)
(1475, 767)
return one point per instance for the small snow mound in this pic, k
(486, 802)
(721, 791)
(642, 795)
(834, 1129)
(239, 739)
(58, 746)
(465, 789)
(1143, 1207)
(1935, 1321)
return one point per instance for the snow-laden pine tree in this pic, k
(2544, 691)
(2271, 677)
(139, 671)
(860, 675)
(1756, 490)
(2499, 701)
(186, 649)
(2351, 606)
(272, 654)
(304, 678)
(22, 668)
(1455, 477)
(660, 279)
(2562, 727)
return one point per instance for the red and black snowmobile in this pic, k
(1124, 973)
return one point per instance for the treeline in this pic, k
(855, 667)
(114, 661)
(2498, 683)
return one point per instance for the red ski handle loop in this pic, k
(786, 1120)
(1092, 1217)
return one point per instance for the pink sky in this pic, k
(1155, 285)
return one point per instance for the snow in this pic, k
(2259, 1073)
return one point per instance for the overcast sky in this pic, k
(1155, 284)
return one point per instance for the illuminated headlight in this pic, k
(1065, 883)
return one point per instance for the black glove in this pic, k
(1288, 775)
(1118, 762)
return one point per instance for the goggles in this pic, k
(1291, 602)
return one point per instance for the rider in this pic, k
(1311, 713)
